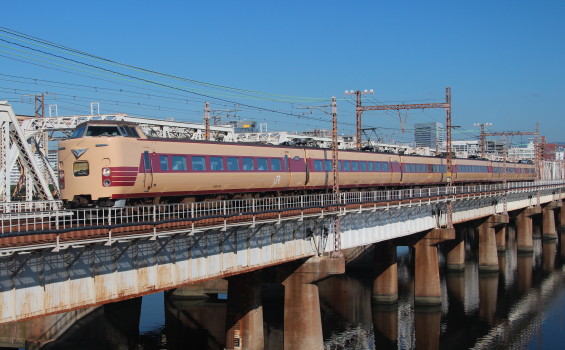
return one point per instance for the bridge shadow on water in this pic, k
(518, 307)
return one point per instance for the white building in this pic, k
(523, 152)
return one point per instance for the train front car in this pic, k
(100, 160)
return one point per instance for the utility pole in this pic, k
(505, 179)
(449, 157)
(207, 121)
(483, 137)
(542, 156)
(335, 165)
(358, 113)
(335, 150)
(335, 169)
(537, 155)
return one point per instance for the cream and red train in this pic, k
(104, 162)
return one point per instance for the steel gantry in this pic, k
(16, 149)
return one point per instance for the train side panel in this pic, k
(356, 169)
(470, 170)
(422, 170)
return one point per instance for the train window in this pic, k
(328, 164)
(248, 164)
(127, 131)
(233, 163)
(179, 163)
(346, 165)
(276, 164)
(102, 131)
(164, 162)
(384, 166)
(377, 166)
(262, 164)
(198, 163)
(363, 166)
(216, 163)
(132, 131)
(370, 166)
(286, 162)
(80, 169)
(318, 166)
(78, 132)
(354, 166)
(146, 161)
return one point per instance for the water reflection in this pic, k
(504, 309)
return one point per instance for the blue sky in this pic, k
(504, 60)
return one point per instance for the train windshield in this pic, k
(105, 130)
(78, 132)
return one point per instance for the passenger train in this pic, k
(109, 163)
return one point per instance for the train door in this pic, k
(297, 169)
(147, 172)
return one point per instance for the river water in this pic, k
(520, 307)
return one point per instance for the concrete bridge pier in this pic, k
(549, 231)
(244, 317)
(385, 284)
(456, 250)
(561, 216)
(524, 230)
(500, 236)
(302, 317)
(488, 257)
(427, 289)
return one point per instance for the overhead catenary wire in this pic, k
(20, 45)
(15, 34)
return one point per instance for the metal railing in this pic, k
(52, 219)
(30, 206)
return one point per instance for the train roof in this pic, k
(107, 122)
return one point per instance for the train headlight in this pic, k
(61, 174)
(106, 171)
(107, 183)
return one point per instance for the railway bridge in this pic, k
(54, 260)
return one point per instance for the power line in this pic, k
(17, 34)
